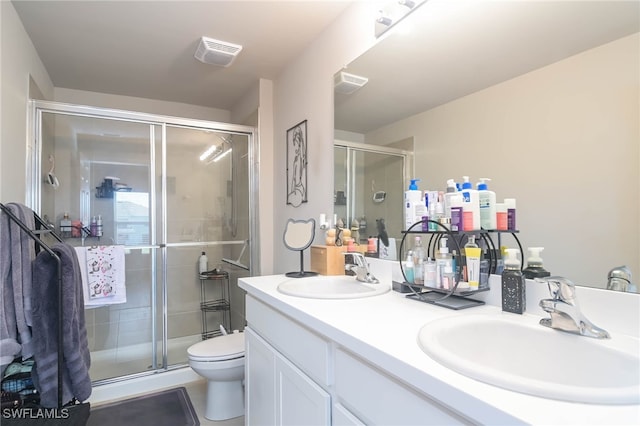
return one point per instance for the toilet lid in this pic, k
(222, 347)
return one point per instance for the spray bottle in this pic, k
(487, 201)
(535, 268)
(513, 284)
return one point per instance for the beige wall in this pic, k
(304, 91)
(19, 61)
(536, 134)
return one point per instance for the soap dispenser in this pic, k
(534, 268)
(513, 284)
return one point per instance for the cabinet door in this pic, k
(300, 400)
(260, 380)
(340, 416)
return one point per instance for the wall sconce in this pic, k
(394, 12)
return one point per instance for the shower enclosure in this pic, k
(369, 185)
(164, 188)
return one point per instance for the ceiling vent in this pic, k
(348, 83)
(216, 52)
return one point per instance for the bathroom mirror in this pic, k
(541, 97)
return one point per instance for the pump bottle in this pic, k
(412, 198)
(534, 268)
(513, 284)
(487, 201)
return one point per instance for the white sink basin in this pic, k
(331, 287)
(516, 353)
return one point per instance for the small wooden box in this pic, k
(329, 260)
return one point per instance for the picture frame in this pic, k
(297, 164)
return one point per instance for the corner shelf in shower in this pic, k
(215, 308)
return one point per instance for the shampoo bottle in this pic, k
(487, 201)
(203, 263)
(513, 284)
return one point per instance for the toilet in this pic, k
(220, 360)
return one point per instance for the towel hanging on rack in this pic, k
(17, 251)
(75, 376)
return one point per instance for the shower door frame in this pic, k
(34, 192)
(352, 148)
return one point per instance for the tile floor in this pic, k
(197, 393)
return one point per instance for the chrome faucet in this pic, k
(355, 261)
(564, 310)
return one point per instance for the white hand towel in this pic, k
(103, 275)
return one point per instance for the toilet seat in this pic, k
(222, 348)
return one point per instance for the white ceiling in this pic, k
(146, 48)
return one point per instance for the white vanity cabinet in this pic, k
(278, 391)
(297, 377)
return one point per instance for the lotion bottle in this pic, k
(513, 284)
(487, 201)
(412, 197)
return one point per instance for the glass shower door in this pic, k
(368, 182)
(207, 210)
(104, 172)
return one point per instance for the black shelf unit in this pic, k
(451, 298)
(217, 307)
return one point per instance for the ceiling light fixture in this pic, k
(394, 12)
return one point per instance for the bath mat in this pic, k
(171, 407)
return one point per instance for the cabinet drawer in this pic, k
(307, 350)
(360, 387)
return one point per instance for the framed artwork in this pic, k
(297, 164)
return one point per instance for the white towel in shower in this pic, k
(103, 275)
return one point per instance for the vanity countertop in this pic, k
(384, 329)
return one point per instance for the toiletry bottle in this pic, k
(430, 273)
(471, 243)
(443, 258)
(203, 263)
(451, 191)
(511, 213)
(513, 284)
(65, 226)
(456, 211)
(419, 257)
(535, 268)
(93, 227)
(501, 217)
(408, 268)
(470, 207)
(99, 226)
(487, 201)
(412, 197)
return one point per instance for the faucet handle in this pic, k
(560, 288)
